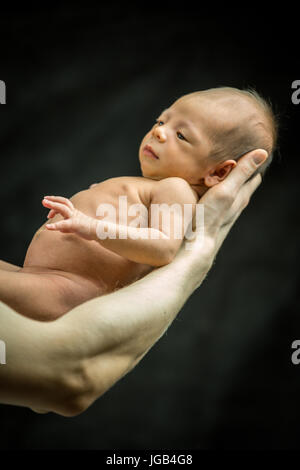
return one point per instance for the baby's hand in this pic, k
(74, 221)
(52, 213)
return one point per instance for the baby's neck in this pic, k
(199, 189)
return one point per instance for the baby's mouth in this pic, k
(148, 150)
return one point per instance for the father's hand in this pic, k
(224, 202)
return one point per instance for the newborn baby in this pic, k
(193, 145)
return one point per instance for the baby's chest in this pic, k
(126, 206)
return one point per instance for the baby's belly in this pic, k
(87, 264)
(46, 294)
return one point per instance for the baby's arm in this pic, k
(156, 248)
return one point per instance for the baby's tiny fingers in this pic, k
(60, 208)
(51, 214)
(62, 226)
(51, 226)
(61, 199)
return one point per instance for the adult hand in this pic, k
(64, 366)
(223, 204)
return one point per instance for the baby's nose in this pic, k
(160, 133)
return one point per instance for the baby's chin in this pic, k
(148, 174)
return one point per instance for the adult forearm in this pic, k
(121, 327)
(8, 266)
(63, 366)
(38, 371)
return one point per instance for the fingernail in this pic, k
(260, 157)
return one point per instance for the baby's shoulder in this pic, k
(129, 184)
(136, 188)
(120, 181)
(173, 189)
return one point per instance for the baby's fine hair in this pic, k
(235, 142)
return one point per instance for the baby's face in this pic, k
(179, 142)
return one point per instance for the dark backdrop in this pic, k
(83, 86)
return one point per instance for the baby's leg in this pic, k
(37, 296)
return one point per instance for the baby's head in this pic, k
(202, 135)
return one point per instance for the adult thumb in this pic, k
(259, 156)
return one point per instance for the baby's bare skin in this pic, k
(63, 270)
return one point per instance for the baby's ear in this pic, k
(219, 173)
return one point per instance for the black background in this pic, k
(84, 84)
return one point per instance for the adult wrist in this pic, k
(197, 260)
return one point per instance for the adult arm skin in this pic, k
(5, 266)
(65, 365)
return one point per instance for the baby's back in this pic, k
(79, 259)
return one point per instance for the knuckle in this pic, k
(225, 194)
(248, 168)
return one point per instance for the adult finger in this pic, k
(237, 208)
(224, 194)
(244, 169)
(245, 193)
(241, 201)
